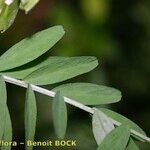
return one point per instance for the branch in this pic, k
(69, 101)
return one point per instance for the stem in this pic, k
(69, 101)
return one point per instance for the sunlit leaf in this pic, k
(3, 98)
(30, 116)
(59, 112)
(122, 120)
(117, 139)
(8, 12)
(62, 70)
(7, 136)
(131, 145)
(102, 125)
(89, 94)
(30, 48)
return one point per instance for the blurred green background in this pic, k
(117, 32)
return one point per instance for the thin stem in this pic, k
(69, 101)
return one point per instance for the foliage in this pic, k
(26, 52)
(122, 119)
(117, 139)
(59, 110)
(5, 121)
(41, 42)
(102, 126)
(30, 116)
(7, 132)
(90, 94)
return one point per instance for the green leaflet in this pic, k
(62, 70)
(23, 71)
(30, 48)
(131, 145)
(30, 116)
(101, 125)
(3, 98)
(50, 62)
(116, 140)
(122, 120)
(59, 112)
(89, 94)
(8, 14)
(27, 5)
(7, 136)
(5, 121)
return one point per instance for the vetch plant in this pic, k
(19, 66)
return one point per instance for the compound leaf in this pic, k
(30, 116)
(59, 112)
(117, 139)
(102, 125)
(62, 70)
(30, 48)
(89, 94)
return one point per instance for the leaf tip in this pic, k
(60, 28)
